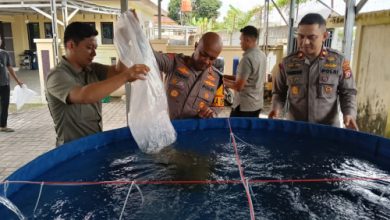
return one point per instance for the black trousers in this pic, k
(237, 113)
(4, 104)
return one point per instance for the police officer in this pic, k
(192, 81)
(315, 79)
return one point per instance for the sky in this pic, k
(246, 5)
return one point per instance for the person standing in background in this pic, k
(249, 82)
(5, 70)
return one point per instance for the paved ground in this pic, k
(35, 134)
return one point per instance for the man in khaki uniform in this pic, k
(315, 80)
(192, 81)
(249, 83)
(75, 86)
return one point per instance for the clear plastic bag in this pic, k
(148, 117)
(22, 95)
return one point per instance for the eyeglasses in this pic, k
(311, 37)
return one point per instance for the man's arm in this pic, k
(116, 69)
(244, 70)
(236, 84)
(13, 74)
(67, 90)
(165, 61)
(347, 94)
(94, 92)
(279, 92)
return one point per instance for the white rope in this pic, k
(39, 197)
(6, 184)
(127, 198)
(140, 192)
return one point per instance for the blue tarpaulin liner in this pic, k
(374, 147)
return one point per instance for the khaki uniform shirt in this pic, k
(188, 90)
(251, 69)
(73, 121)
(314, 90)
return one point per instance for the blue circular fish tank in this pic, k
(236, 168)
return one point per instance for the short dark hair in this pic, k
(313, 18)
(250, 31)
(78, 31)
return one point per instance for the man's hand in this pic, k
(273, 114)
(350, 122)
(231, 77)
(20, 83)
(206, 112)
(137, 71)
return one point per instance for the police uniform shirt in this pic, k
(252, 69)
(188, 90)
(73, 121)
(4, 63)
(315, 89)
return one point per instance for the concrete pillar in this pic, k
(45, 56)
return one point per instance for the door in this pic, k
(7, 38)
(33, 32)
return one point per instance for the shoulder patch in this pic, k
(347, 69)
(171, 56)
(281, 67)
(183, 70)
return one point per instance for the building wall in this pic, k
(19, 25)
(372, 68)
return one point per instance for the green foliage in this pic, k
(237, 19)
(206, 8)
(174, 10)
(285, 3)
(200, 9)
(203, 23)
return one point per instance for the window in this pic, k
(48, 30)
(33, 33)
(107, 33)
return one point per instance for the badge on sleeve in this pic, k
(347, 69)
(328, 89)
(295, 90)
(174, 93)
(202, 105)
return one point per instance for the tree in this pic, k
(237, 19)
(284, 3)
(206, 8)
(174, 10)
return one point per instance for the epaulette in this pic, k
(294, 54)
(333, 51)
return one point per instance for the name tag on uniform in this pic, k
(294, 72)
(330, 71)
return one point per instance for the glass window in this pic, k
(107, 33)
(48, 30)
